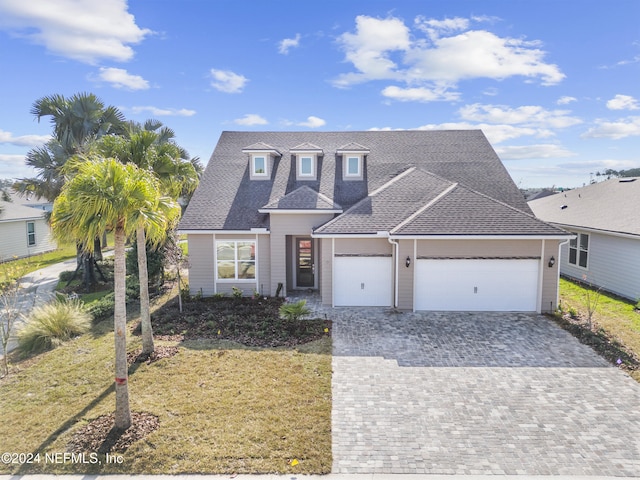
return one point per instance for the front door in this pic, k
(305, 268)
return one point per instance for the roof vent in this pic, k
(627, 180)
(563, 207)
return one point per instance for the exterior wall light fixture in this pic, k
(552, 262)
(407, 262)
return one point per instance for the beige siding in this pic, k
(326, 270)
(363, 246)
(282, 225)
(264, 265)
(488, 248)
(201, 267)
(549, 300)
(14, 239)
(405, 275)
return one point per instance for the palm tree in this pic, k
(155, 152)
(102, 195)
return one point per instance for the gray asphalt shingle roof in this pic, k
(612, 205)
(303, 198)
(227, 199)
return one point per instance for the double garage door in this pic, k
(441, 284)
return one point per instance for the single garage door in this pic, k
(362, 281)
(509, 285)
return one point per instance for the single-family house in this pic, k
(418, 220)
(23, 231)
(605, 220)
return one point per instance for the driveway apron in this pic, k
(476, 393)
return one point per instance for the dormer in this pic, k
(353, 160)
(261, 157)
(306, 160)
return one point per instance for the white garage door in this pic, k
(477, 285)
(362, 281)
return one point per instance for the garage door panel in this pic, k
(477, 285)
(362, 281)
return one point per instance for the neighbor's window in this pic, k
(306, 166)
(259, 165)
(579, 250)
(235, 260)
(31, 234)
(353, 166)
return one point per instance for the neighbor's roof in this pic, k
(227, 199)
(612, 205)
(12, 212)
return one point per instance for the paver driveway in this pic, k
(460, 393)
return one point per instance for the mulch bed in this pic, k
(159, 352)
(598, 339)
(102, 437)
(254, 322)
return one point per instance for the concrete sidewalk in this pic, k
(37, 289)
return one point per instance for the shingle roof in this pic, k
(228, 200)
(612, 205)
(303, 198)
(12, 212)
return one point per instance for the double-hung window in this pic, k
(579, 250)
(235, 260)
(31, 234)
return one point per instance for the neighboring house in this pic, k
(605, 219)
(23, 231)
(418, 220)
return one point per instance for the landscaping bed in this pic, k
(253, 322)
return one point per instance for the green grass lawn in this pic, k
(222, 407)
(616, 316)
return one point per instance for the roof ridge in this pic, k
(411, 217)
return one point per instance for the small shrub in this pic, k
(573, 313)
(103, 308)
(50, 325)
(294, 311)
(66, 275)
(219, 296)
(237, 293)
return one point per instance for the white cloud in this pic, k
(419, 94)
(529, 115)
(386, 49)
(23, 140)
(533, 152)
(288, 43)
(227, 81)
(623, 102)
(14, 166)
(120, 78)
(627, 127)
(566, 100)
(251, 119)
(313, 122)
(494, 133)
(84, 30)
(161, 112)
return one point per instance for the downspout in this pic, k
(395, 279)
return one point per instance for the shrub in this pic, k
(294, 311)
(50, 325)
(66, 275)
(237, 293)
(103, 308)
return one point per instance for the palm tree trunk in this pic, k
(143, 277)
(123, 413)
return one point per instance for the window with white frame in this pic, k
(305, 166)
(31, 234)
(353, 166)
(259, 165)
(235, 260)
(579, 250)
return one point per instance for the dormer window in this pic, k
(353, 166)
(306, 160)
(261, 158)
(353, 160)
(306, 166)
(259, 165)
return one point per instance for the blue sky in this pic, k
(552, 83)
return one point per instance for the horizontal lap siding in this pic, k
(201, 267)
(549, 299)
(363, 246)
(613, 264)
(14, 239)
(487, 248)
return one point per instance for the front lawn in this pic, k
(616, 323)
(222, 407)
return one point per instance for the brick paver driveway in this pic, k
(461, 393)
